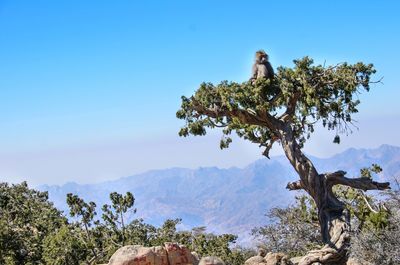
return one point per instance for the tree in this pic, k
(114, 215)
(168, 233)
(63, 247)
(86, 212)
(26, 218)
(140, 233)
(286, 110)
(208, 244)
(293, 230)
(379, 240)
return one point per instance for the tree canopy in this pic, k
(300, 96)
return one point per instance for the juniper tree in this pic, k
(86, 212)
(114, 215)
(286, 109)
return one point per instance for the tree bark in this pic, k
(334, 219)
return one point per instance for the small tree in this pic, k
(293, 230)
(209, 244)
(140, 233)
(168, 232)
(114, 215)
(285, 110)
(86, 212)
(378, 241)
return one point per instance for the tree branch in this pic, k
(261, 119)
(296, 185)
(291, 108)
(368, 204)
(338, 178)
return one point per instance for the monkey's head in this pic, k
(261, 56)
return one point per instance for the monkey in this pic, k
(262, 68)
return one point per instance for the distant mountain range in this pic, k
(232, 200)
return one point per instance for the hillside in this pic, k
(230, 200)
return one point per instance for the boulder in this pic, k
(139, 255)
(277, 258)
(179, 255)
(195, 255)
(269, 259)
(211, 261)
(256, 260)
(296, 260)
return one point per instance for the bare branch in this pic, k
(368, 204)
(268, 146)
(364, 184)
(294, 185)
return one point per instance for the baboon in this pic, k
(261, 67)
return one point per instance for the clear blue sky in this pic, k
(89, 89)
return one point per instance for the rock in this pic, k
(179, 255)
(161, 255)
(211, 261)
(195, 255)
(295, 260)
(277, 258)
(353, 261)
(139, 255)
(269, 259)
(170, 254)
(256, 260)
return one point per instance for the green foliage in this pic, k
(140, 233)
(377, 245)
(326, 94)
(64, 247)
(364, 208)
(168, 233)
(32, 231)
(79, 208)
(26, 218)
(86, 213)
(293, 230)
(113, 215)
(368, 172)
(206, 244)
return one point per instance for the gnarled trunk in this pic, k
(334, 219)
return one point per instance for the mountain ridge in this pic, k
(231, 200)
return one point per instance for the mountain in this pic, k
(232, 200)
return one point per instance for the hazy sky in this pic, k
(89, 89)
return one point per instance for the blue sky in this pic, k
(89, 89)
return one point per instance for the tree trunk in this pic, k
(334, 219)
